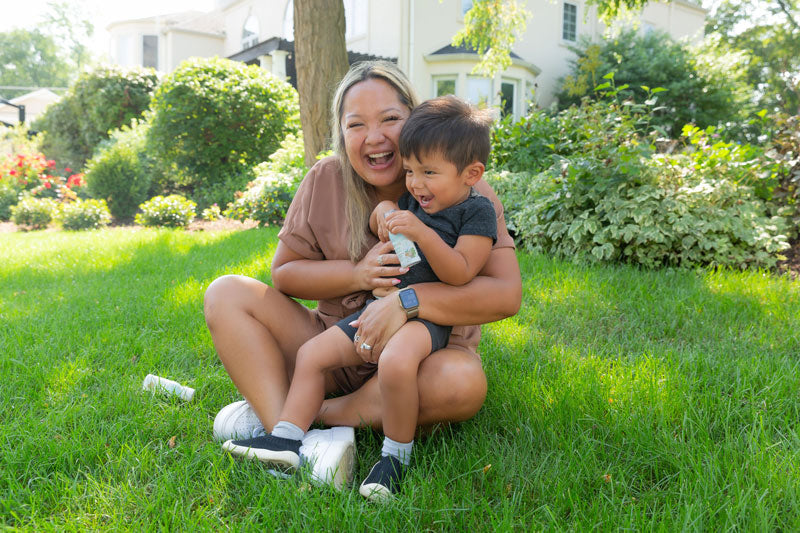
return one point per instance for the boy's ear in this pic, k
(473, 173)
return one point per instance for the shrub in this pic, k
(100, 101)
(171, 211)
(609, 196)
(8, 198)
(213, 212)
(34, 213)
(18, 139)
(84, 214)
(696, 89)
(121, 170)
(267, 198)
(213, 119)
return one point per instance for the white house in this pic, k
(414, 33)
(35, 103)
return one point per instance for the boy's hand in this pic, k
(380, 211)
(408, 224)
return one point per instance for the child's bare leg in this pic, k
(397, 376)
(329, 350)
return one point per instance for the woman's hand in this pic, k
(376, 325)
(379, 213)
(378, 268)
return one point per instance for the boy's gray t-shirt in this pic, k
(473, 216)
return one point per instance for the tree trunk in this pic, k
(320, 56)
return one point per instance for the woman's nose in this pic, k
(375, 135)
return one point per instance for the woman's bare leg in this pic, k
(452, 388)
(257, 331)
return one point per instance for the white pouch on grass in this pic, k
(167, 386)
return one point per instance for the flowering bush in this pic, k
(172, 211)
(84, 214)
(34, 213)
(212, 213)
(23, 171)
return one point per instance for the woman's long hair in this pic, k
(358, 192)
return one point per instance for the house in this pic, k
(416, 34)
(35, 103)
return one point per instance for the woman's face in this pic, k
(372, 117)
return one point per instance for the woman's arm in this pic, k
(310, 279)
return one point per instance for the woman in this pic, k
(326, 253)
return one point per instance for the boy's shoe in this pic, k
(284, 453)
(237, 420)
(383, 481)
(330, 454)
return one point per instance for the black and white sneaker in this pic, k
(283, 453)
(384, 479)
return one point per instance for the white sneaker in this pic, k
(331, 455)
(237, 421)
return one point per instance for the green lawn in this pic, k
(618, 399)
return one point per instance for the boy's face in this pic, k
(435, 182)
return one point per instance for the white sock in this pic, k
(400, 450)
(287, 430)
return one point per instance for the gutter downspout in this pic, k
(411, 41)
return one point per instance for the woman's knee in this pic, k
(455, 385)
(219, 293)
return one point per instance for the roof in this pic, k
(450, 49)
(212, 23)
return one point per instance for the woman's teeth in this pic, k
(380, 158)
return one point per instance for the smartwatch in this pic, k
(409, 302)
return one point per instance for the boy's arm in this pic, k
(455, 266)
(377, 221)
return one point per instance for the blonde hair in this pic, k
(358, 192)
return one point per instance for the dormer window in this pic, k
(250, 32)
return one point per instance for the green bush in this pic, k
(84, 214)
(213, 120)
(34, 213)
(120, 172)
(9, 196)
(100, 101)
(609, 196)
(700, 89)
(171, 211)
(267, 198)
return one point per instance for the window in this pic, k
(250, 32)
(466, 5)
(444, 85)
(150, 51)
(569, 31)
(478, 90)
(508, 96)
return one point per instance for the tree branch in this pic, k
(786, 8)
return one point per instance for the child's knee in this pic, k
(393, 366)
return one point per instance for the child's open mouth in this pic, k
(424, 201)
(380, 160)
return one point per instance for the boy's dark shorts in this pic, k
(440, 335)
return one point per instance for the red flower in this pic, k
(67, 169)
(47, 185)
(51, 163)
(13, 172)
(20, 163)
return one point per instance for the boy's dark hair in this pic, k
(449, 126)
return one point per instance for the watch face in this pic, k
(409, 299)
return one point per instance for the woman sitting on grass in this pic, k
(326, 253)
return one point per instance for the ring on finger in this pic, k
(357, 337)
(380, 260)
(365, 346)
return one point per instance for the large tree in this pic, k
(768, 31)
(29, 58)
(320, 56)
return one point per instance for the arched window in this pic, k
(250, 32)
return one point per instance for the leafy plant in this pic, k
(212, 212)
(34, 213)
(9, 196)
(213, 119)
(100, 101)
(121, 170)
(695, 90)
(172, 211)
(84, 214)
(268, 196)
